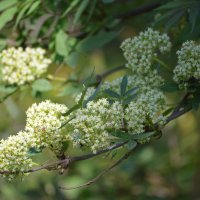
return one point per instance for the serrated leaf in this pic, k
(41, 85)
(123, 85)
(111, 93)
(7, 15)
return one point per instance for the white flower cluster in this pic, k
(43, 125)
(91, 125)
(140, 51)
(145, 111)
(14, 155)
(42, 130)
(20, 66)
(188, 63)
(143, 83)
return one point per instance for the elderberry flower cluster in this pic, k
(188, 63)
(91, 125)
(20, 66)
(14, 155)
(145, 111)
(141, 50)
(143, 83)
(43, 125)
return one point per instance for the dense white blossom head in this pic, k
(90, 125)
(20, 66)
(14, 155)
(140, 50)
(43, 124)
(188, 63)
(145, 111)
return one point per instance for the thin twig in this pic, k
(182, 108)
(65, 162)
(125, 156)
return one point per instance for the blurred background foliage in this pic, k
(81, 36)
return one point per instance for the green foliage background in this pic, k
(82, 36)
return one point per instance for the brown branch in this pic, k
(182, 108)
(125, 156)
(66, 162)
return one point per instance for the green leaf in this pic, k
(70, 89)
(92, 8)
(33, 151)
(128, 99)
(80, 10)
(65, 146)
(173, 20)
(132, 91)
(142, 136)
(61, 43)
(193, 15)
(71, 6)
(170, 87)
(122, 135)
(173, 4)
(33, 7)
(3, 43)
(73, 59)
(96, 41)
(123, 85)
(7, 89)
(168, 111)
(41, 85)
(112, 94)
(92, 97)
(22, 12)
(7, 15)
(131, 144)
(6, 4)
